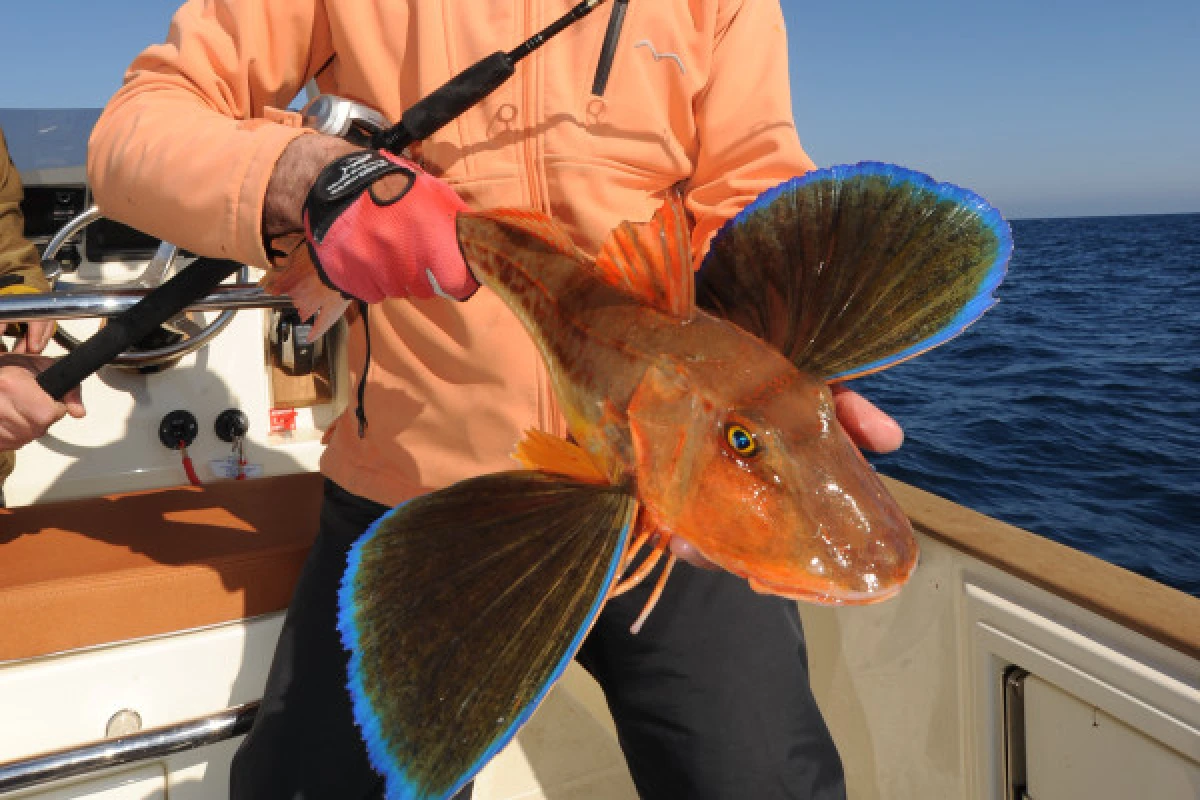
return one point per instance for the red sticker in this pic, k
(283, 420)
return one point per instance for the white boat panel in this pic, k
(887, 678)
(116, 448)
(147, 782)
(68, 699)
(913, 688)
(568, 750)
(1139, 681)
(1074, 749)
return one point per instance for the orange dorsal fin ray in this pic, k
(535, 223)
(546, 453)
(653, 260)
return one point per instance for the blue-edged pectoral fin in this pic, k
(852, 269)
(461, 608)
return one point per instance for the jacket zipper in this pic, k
(548, 411)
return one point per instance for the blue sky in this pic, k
(1046, 108)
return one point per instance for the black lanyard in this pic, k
(615, 20)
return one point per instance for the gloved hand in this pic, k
(379, 226)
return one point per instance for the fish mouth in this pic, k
(828, 596)
(805, 590)
(837, 593)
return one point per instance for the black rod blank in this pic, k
(431, 113)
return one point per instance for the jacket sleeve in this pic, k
(185, 148)
(20, 264)
(748, 140)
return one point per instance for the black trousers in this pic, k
(711, 700)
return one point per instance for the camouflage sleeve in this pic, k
(20, 264)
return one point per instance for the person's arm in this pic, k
(748, 139)
(186, 148)
(183, 152)
(748, 145)
(20, 265)
(25, 410)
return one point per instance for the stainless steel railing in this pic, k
(79, 304)
(141, 746)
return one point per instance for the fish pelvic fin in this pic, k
(461, 608)
(852, 269)
(542, 451)
(653, 260)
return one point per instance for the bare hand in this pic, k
(295, 171)
(27, 412)
(868, 427)
(37, 336)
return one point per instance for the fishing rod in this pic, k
(470, 86)
(420, 121)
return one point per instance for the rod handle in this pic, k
(447, 102)
(128, 328)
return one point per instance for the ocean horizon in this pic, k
(1057, 217)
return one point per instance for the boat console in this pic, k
(204, 362)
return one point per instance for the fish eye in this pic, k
(740, 440)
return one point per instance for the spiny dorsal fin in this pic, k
(546, 453)
(653, 260)
(535, 223)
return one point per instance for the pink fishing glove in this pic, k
(379, 226)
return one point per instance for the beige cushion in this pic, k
(86, 572)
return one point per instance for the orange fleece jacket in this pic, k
(698, 97)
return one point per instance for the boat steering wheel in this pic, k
(185, 333)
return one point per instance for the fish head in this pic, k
(768, 485)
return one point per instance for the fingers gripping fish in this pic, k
(699, 407)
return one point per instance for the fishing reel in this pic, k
(345, 119)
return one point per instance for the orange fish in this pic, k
(699, 408)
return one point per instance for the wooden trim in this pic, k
(1152, 609)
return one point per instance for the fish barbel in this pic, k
(699, 407)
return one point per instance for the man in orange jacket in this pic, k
(711, 699)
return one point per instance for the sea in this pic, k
(1072, 409)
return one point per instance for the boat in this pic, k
(143, 584)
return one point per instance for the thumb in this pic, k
(73, 400)
(39, 334)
